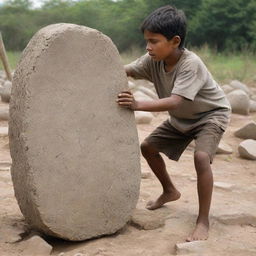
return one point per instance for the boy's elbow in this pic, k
(176, 101)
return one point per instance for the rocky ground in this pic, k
(154, 233)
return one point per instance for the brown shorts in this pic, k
(172, 143)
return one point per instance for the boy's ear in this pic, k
(176, 41)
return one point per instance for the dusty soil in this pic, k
(233, 212)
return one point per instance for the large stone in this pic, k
(239, 101)
(75, 152)
(247, 149)
(247, 132)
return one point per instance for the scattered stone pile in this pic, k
(243, 101)
(241, 98)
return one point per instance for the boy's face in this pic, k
(158, 47)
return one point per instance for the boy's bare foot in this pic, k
(164, 198)
(200, 232)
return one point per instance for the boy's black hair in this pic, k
(168, 21)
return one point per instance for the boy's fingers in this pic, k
(124, 100)
(122, 95)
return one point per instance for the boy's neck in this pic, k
(171, 61)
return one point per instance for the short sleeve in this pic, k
(188, 82)
(140, 68)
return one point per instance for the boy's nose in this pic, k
(148, 47)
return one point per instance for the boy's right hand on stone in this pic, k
(126, 99)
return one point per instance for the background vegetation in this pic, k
(223, 25)
(222, 32)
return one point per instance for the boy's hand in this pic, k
(126, 99)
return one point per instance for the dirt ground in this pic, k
(233, 212)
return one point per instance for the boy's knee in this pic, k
(201, 157)
(147, 149)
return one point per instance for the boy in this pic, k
(197, 106)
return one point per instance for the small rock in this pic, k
(147, 220)
(253, 97)
(131, 85)
(223, 185)
(247, 149)
(191, 247)
(224, 148)
(143, 117)
(4, 113)
(139, 95)
(5, 91)
(61, 254)
(227, 88)
(237, 217)
(238, 85)
(3, 131)
(36, 246)
(80, 254)
(252, 106)
(247, 132)
(239, 101)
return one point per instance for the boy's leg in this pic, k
(204, 189)
(207, 140)
(156, 163)
(172, 143)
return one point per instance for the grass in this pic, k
(223, 66)
(13, 58)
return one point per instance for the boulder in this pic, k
(75, 152)
(238, 85)
(239, 101)
(247, 132)
(247, 149)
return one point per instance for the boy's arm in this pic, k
(127, 71)
(126, 99)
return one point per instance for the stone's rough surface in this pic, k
(239, 101)
(247, 149)
(247, 132)
(75, 152)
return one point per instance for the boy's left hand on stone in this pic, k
(126, 99)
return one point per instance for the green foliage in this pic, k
(224, 25)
